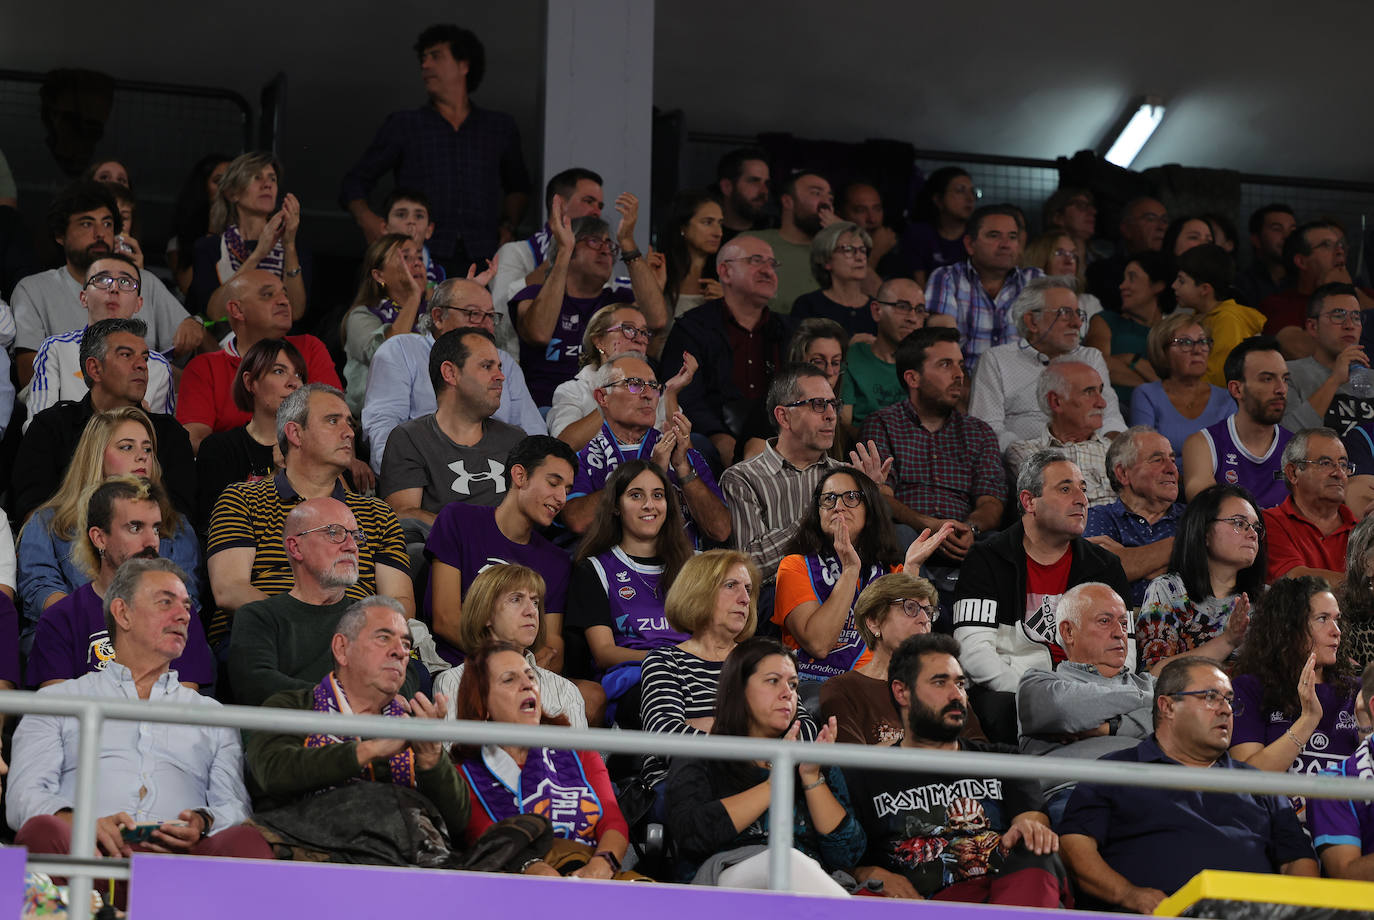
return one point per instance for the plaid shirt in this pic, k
(938, 473)
(463, 171)
(1090, 456)
(982, 321)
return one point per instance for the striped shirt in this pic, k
(57, 376)
(767, 498)
(675, 686)
(251, 514)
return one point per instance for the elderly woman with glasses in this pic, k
(892, 609)
(1181, 401)
(845, 541)
(1055, 253)
(615, 329)
(839, 263)
(1295, 683)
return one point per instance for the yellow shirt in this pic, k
(1228, 323)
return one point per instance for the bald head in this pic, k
(312, 512)
(322, 567)
(1094, 627)
(258, 307)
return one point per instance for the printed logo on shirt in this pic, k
(492, 561)
(1345, 721)
(100, 652)
(1319, 741)
(936, 795)
(627, 593)
(1232, 459)
(1231, 477)
(622, 577)
(975, 611)
(463, 483)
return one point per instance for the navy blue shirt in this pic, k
(464, 171)
(1130, 530)
(1160, 838)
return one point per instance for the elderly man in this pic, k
(258, 309)
(363, 785)
(1048, 320)
(1010, 586)
(807, 204)
(1139, 526)
(872, 381)
(1130, 847)
(975, 296)
(123, 522)
(1343, 831)
(282, 643)
(945, 465)
(551, 316)
(1070, 394)
(1307, 534)
(244, 553)
(628, 394)
(739, 345)
(951, 837)
(114, 359)
(458, 452)
(189, 783)
(399, 388)
(1093, 703)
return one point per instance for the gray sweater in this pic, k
(1076, 698)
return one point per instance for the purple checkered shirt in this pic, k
(982, 321)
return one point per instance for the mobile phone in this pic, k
(143, 832)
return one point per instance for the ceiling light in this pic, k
(1132, 138)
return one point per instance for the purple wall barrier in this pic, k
(12, 881)
(231, 889)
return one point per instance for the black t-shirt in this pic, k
(227, 457)
(938, 829)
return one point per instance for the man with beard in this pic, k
(1130, 847)
(1267, 272)
(808, 204)
(458, 451)
(742, 177)
(84, 220)
(282, 643)
(945, 836)
(1247, 448)
(124, 521)
(862, 204)
(1010, 585)
(945, 465)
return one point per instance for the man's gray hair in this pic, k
(1125, 452)
(126, 581)
(95, 341)
(296, 408)
(786, 387)
(1032, 297)
(351, 623)
(1053, 380)
(607, 373)
(1296, 449)
(1032, 476)
(582, 228)
(1074, 603)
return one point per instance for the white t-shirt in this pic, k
(57, 376)
(49, 303)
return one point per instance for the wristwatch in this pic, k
(207, 821)
(610, 858)
(630, 255)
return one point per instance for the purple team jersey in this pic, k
(70, 640)
(546, 366)
(1236, 466)
(1340, 822)
(603, 454)
(637, 617)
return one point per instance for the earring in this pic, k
(877, 635)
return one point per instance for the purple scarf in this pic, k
(329, 697)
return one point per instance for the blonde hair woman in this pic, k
(121, 441)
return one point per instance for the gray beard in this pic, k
(330, 579)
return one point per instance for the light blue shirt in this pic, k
(398, 390)
(151, 770)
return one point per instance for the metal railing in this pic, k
(784, 755)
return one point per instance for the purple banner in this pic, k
(12, 880)
(168, 887)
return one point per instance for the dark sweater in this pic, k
(280, 643)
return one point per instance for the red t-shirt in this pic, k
(1044, 585)
(1291, 540)
(206, 396)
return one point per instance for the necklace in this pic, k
(651, 587)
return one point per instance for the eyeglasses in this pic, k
(905, 308)
(107, 282)
(914, 609)
(632, 332)
(477, 317)
(1239, 524)
(1341, 317)
(1333, 245)
(637, 385)
(1326, 465)
(833, 364)
(335, 533)
(852, 499)
(1213, 699)
(1065, 313)
(1203, 343)
(600, 244)
(757, 261)
(1066, 254)
(817, 404)
(852, 250)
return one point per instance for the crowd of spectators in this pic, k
(794, 465)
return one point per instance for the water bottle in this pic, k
(1361, 381)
